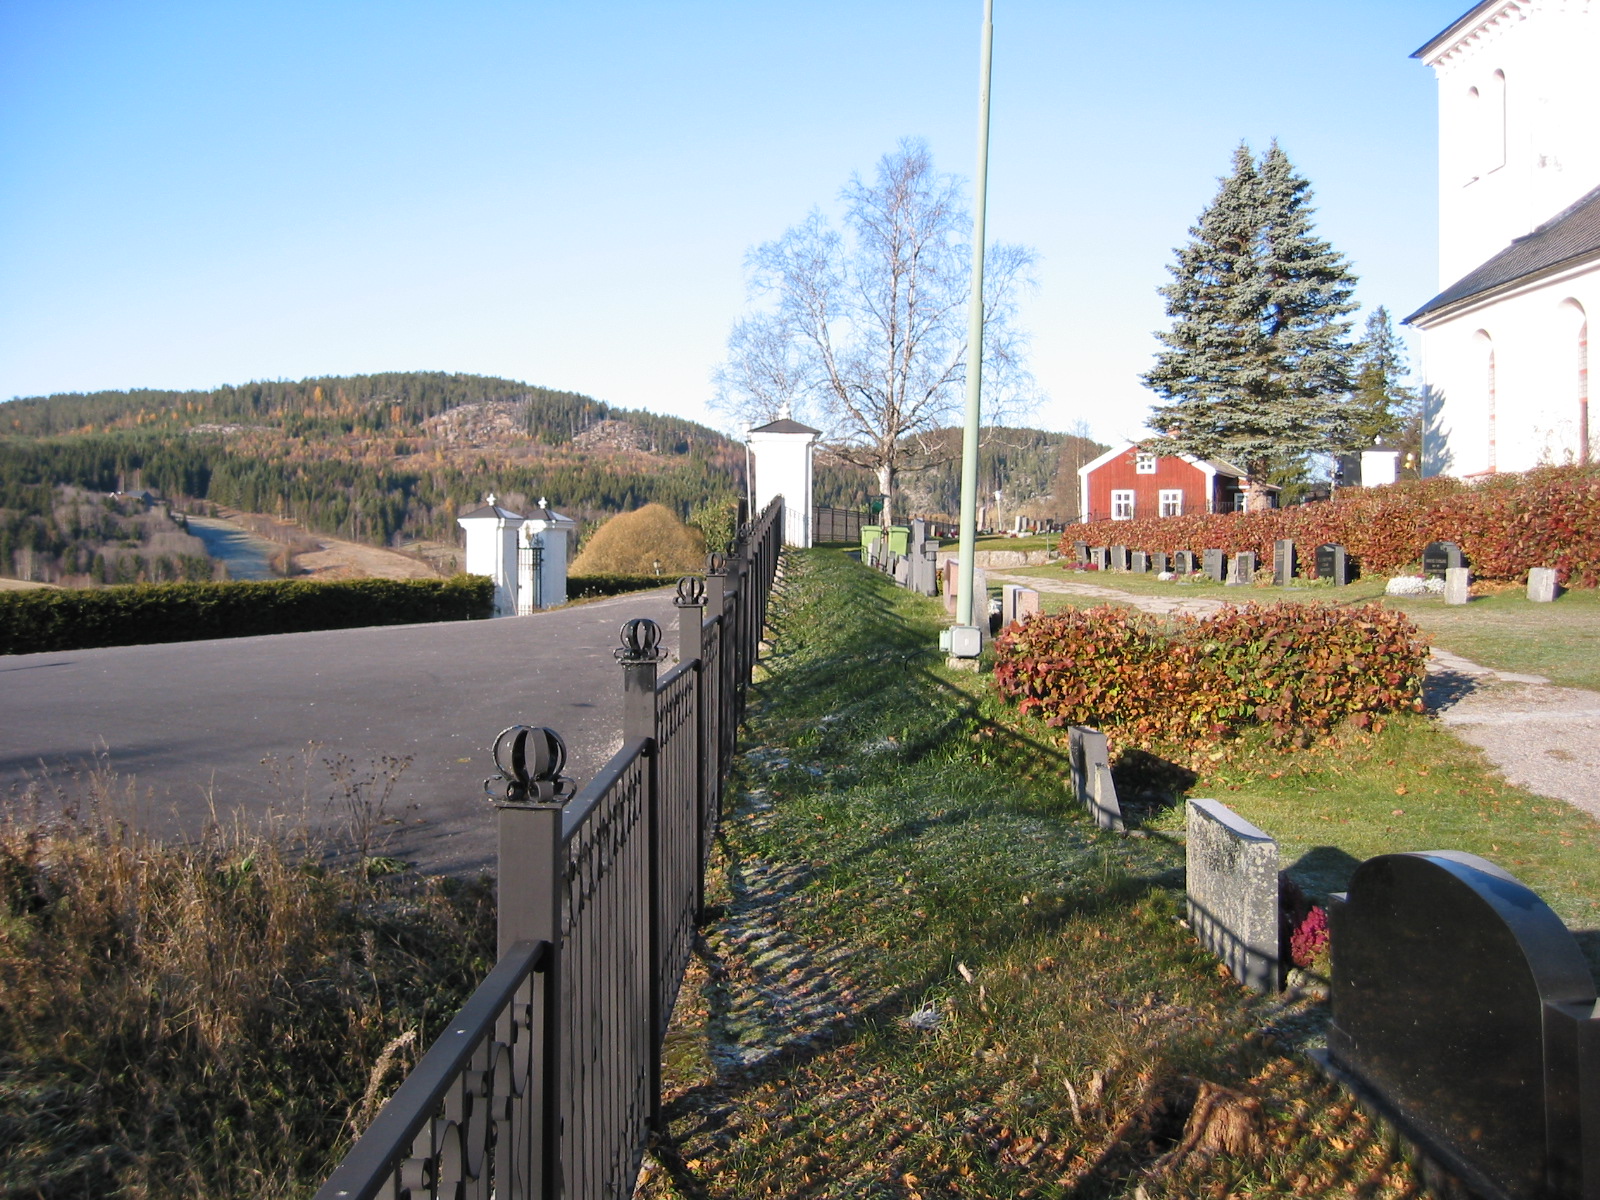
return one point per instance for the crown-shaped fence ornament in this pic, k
(641, 642)
(530, 759)
(691, 592)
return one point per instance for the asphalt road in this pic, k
(188, 726)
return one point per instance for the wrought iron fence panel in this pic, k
(461, 1123)
(679, 853)
(607, 1067)
(716, 767)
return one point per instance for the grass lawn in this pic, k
(1504, 630)
(929, 974)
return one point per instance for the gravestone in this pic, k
(1100, 558)
(951, 583)
(1242, 570)
(901, 570)
(1080, 552)
(1183, 562)
(1439, 557)
(1215, 564)
(1119, 558)
(1542, 585)
(1232, 881)
(1139, 563)
(1332, 563)
(1091, 776)
(1463, 1010)
(1017, 603)
(1159, 562)
(1027, 603)
(1457, 585)
(1283, 562)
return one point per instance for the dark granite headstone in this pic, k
(1139, 562)
(1464, 1010)
(1100, 558)
(1242, 570)
(1283, 562)
(1119, 558)
(1216, 563)
(1439, 557)
(1183, 562)
(1080, 552)
(1160, 562)
(1333, 564)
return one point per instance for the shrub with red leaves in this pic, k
(1309, 941)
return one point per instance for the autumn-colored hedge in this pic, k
(141, 614)
(1504, 524)
(1295, 669)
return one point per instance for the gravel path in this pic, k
(1542, 737)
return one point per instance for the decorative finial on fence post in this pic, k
(530, 759)
(641, 642)
(716, 564)
(691, 592)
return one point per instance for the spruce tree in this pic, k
(1381, 407)
(1256, 367)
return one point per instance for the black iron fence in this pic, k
(831, 526)
(547, 1083)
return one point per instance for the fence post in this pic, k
(690, 603)
(717, 604)
(529, 796)
(639, 653)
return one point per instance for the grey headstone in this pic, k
(1080, 552)
(1119, 558)
(1183, 562)
(1333, 564)
(1439, 557)
(1103, 803)
(1283, 562)
(1457, 585)
(1100, 558)
(1242, 570)
(1464, 1008)
(1160, 563)
(1139, 563)
(1027, 603)
(902, 570)
(1091, 775)
(1215, 564)
(1232, 870)
(1542, 585)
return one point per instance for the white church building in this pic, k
(1505, 343)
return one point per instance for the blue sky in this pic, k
(194, 194)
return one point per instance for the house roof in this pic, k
(1566, 239)
(1455, 27)
(785, 425)
(1216, 466)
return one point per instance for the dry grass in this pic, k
(212, 1018)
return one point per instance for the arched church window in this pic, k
(1483, 348)
(1575, 332)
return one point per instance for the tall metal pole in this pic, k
(968, 608)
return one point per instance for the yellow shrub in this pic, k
(633, 543)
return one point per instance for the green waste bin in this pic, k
(899, 537)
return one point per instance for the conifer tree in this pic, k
(1256, 367)
(1382, 407)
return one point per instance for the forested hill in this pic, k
(377, 458)
(401, 403)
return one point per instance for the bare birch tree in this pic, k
(865, 332)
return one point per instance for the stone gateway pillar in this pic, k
(782, 452)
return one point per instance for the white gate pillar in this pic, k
(782, 452)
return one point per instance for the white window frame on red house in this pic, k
(1172, 502)
(1122, 504)
(1144, 462)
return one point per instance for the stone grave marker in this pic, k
(1464, 1011)
(1100, 558)
(901, 570)
(1242, 570)
(1215, 564)
(1439, 557)
(1139, 563)
(1027, 603)
(1160, 563)
(1119, 558)
(1183, 562)
(951, 583)
(1457, 585)
(1232, 881)
(1542, 585)
(1283, 562)
(1091, 776)
(1332, 563)
(1080, 552)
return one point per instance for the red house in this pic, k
(1130, 482)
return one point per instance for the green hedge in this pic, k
(80, 618)
(586, 587)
